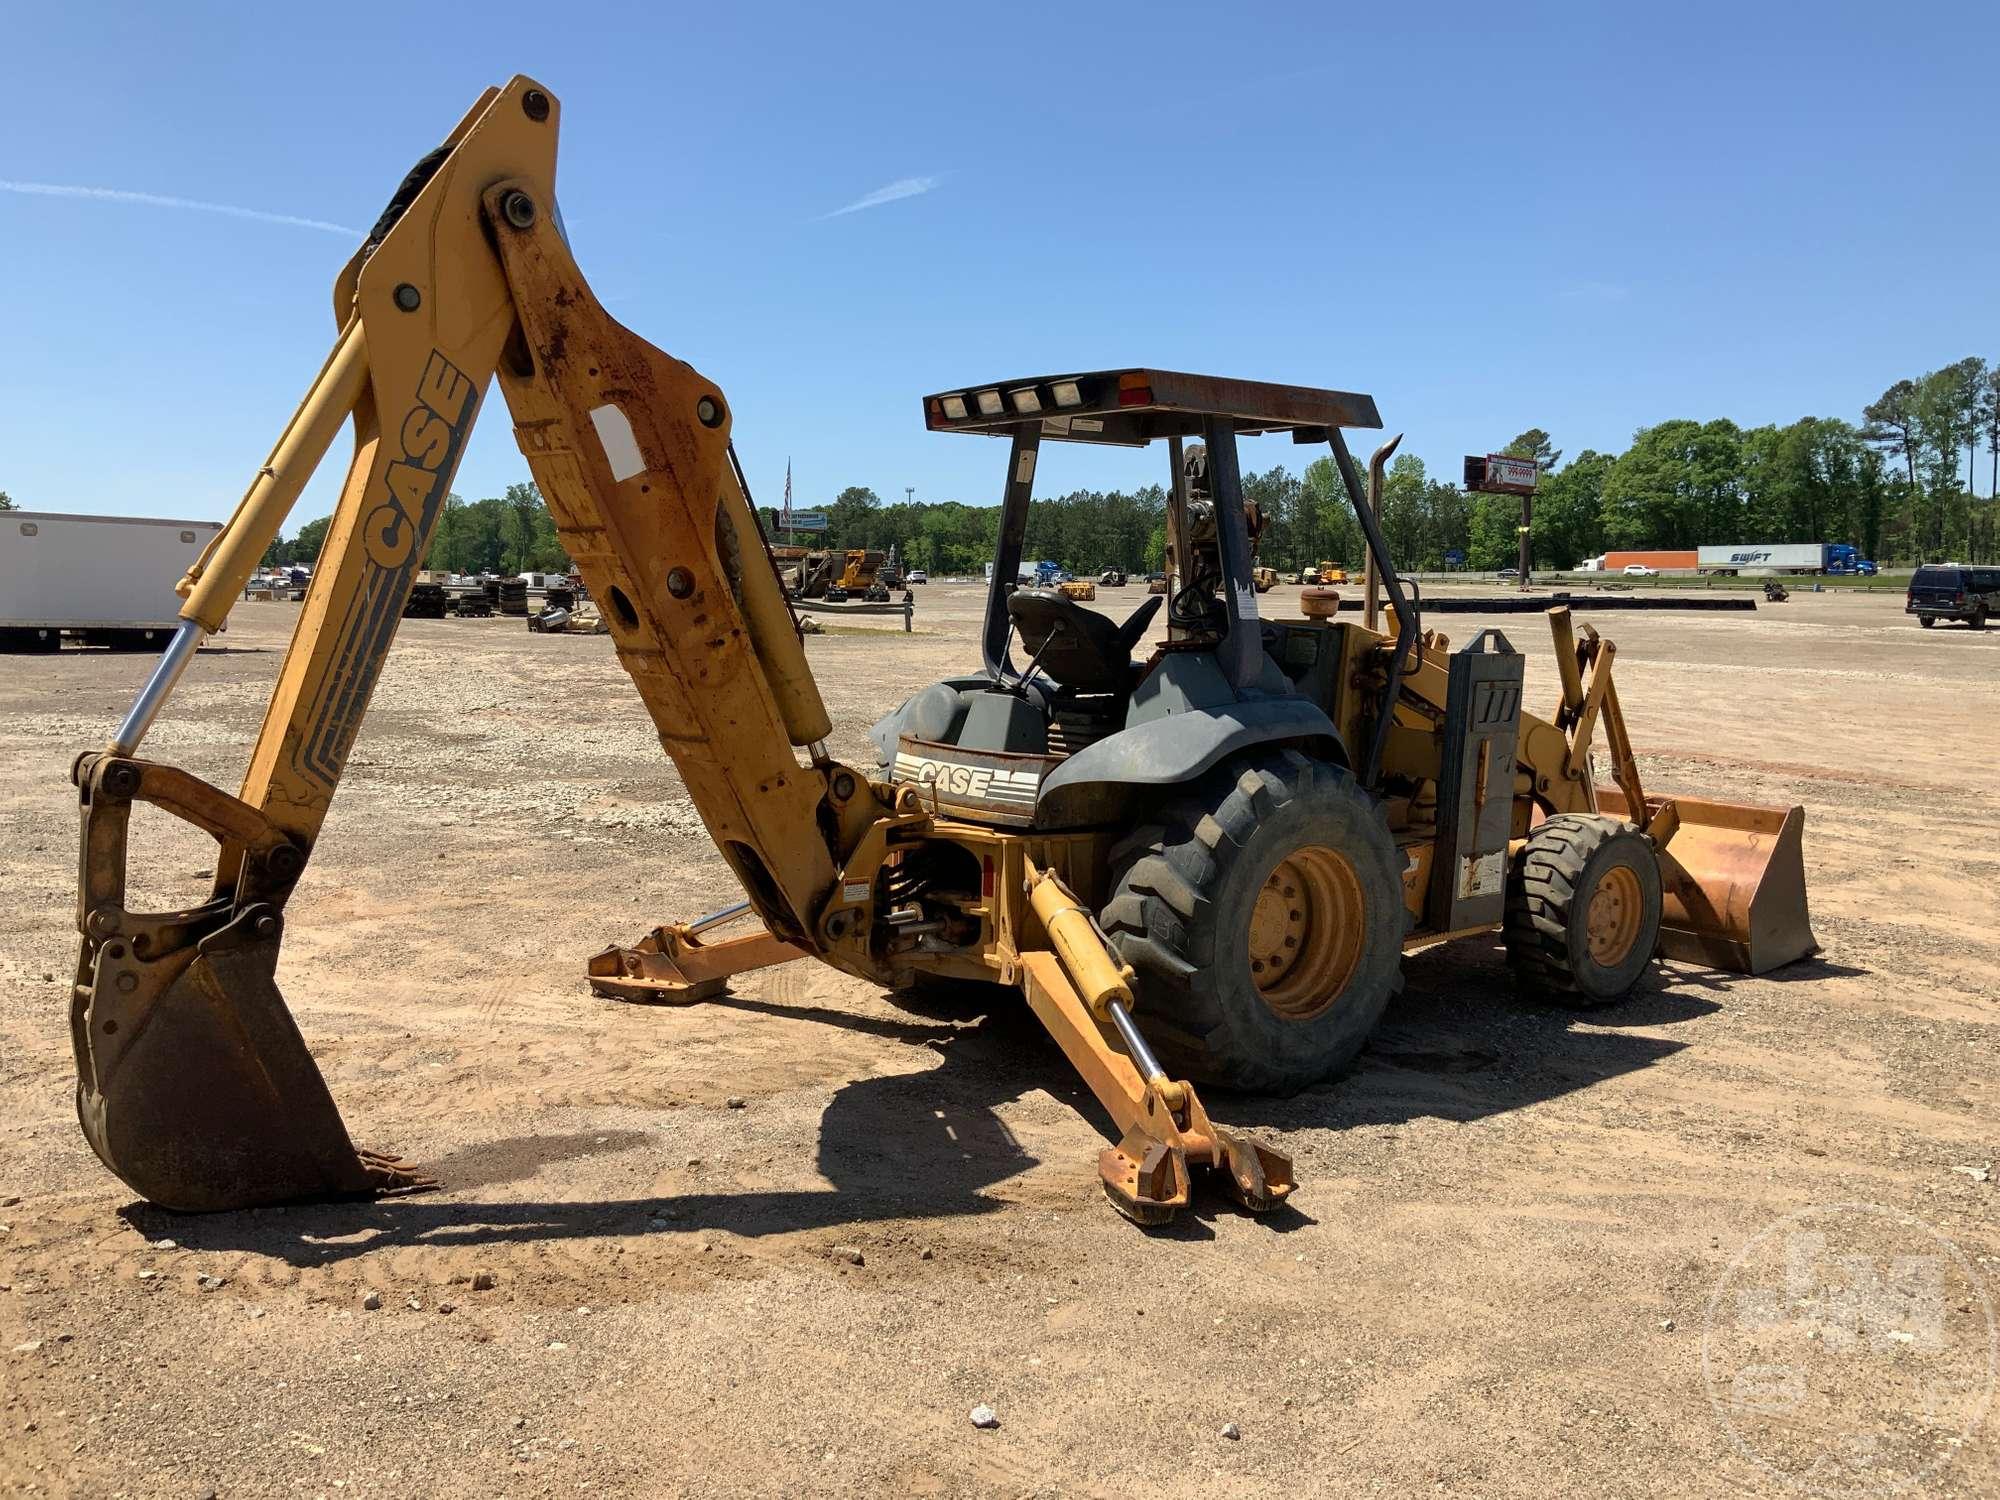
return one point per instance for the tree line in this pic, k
(1900, 484)
(504, 534)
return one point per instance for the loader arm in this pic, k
(466, 274)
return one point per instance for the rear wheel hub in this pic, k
(1306, 932)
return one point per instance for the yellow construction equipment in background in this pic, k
(1223, 849)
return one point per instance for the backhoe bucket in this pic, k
(203, 1096)
(193, 1083)
(1733, 882)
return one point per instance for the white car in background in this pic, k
(1640, 570)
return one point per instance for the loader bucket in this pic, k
(1733, 883)
(203, 1097)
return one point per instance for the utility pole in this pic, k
(1527, 550)
(910, 493)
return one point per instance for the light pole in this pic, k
(910, 493)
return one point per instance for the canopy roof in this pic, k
(1133, 407)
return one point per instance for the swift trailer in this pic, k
(1768, 557)
(102, 580)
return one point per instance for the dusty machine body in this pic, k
(1224, 847)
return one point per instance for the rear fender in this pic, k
(1129, 769)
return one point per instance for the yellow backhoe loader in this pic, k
(1204, 865)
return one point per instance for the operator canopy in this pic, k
(1133, 407)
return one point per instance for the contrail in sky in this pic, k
(161, 200)
(906, 187)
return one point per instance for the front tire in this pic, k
(1263, 915)
(1583, 908)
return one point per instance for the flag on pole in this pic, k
(788, 495)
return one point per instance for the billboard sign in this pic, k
(1501, 474)
(806, 520)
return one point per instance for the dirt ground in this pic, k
(1496, 1279)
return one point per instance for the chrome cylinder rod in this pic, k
(717, 918)
(173, 661)
(1135, 1044)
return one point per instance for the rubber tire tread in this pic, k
(1183, 886)
(1548, 890)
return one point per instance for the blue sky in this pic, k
(1584, 218)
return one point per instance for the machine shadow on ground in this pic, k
(1461, 1043)
(1458, 1044)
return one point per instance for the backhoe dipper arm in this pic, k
(194, 1084)
(631, 450)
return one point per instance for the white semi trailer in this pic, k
(1764, 557)
(102, 580)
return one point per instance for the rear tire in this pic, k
(1978, 620)
(1583, 908)
(1263, 915)
(1926, 621)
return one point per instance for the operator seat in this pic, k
(1078, 647)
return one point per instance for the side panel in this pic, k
(1482, 720)
(1807, 556)
(107, 571)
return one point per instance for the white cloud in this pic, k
(902, 187)
(161, 200)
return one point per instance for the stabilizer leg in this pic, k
(1166, 1132)
(671, 965)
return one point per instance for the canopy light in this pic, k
(1066, 393)
(990, 404)
(1025, 400)
(954, 408)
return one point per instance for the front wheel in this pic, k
(1583, 908)
(1264, 918)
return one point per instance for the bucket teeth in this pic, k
(391, 1176)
